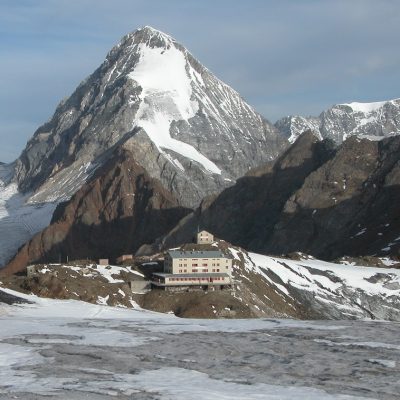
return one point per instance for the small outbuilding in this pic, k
(204, 237)
(124, 257)
(104, 261)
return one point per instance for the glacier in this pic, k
(68, 350)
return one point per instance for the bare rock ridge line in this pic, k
(325, 201)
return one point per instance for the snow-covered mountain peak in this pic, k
(152, 98)
(149, 83)
(165, 77)
(367, 108)
(376, 119)
(148, 36)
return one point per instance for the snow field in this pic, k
(366, 107)
(298, 274)
(166, 97)
(66, 347)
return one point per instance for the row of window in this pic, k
(196, 259)
(196, 265)
(196, 279)
(184, 271)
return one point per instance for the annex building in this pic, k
(183, 270)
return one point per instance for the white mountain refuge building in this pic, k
(194, 269)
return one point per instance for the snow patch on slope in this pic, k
(166, 97)
(298, 273)
(334, 290)
(365, 107)
(24, 215)
(19, 221)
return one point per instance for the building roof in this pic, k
(196, 254)
(208, 233)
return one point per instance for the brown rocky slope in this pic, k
(119, 210)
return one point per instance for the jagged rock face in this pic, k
(246, 213)
(312, 199)
(181, 123)
(118, 211)
(349, 206)
(345, 120)
(293, 126)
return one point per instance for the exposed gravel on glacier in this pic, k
(67, 349)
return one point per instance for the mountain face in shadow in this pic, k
(315, 199)
(119, 210)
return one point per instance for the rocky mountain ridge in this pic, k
(373, 120)
(151, 97)
(315, 198)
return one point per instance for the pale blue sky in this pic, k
(284, 57)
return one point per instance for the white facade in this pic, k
(197, 262)
(195, 268)
(205, 237)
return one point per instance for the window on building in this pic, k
(217, 269)
(194, 265)
(194, 270)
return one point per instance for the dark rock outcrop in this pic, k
(121, 209)
(313, 199)
(246, 213)
(349, 206)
